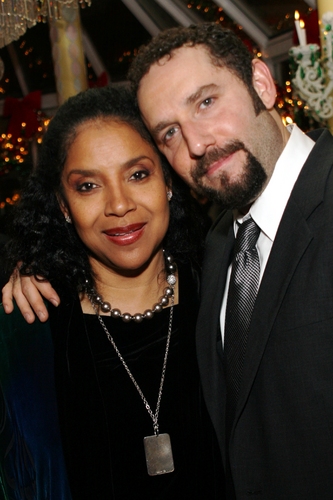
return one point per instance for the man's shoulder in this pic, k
(320, 133)
(323, 143)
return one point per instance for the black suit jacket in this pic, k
(281, 443)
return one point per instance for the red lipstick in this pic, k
(126, 235)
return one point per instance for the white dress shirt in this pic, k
(268, 208)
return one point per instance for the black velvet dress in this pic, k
(103, 419)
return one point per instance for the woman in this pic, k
(103, 401)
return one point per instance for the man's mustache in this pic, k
(213, 155)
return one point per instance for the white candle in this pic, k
(298, 28)
(303, 32)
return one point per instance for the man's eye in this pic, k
(207, 102)
(170, 133)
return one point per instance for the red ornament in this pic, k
(22, 111)
(101, 81)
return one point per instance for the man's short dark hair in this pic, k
(223, 46)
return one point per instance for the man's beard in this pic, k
(235, 194)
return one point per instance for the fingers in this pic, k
(28, 294)
(34, 291)
(12, 290)
(7, 297)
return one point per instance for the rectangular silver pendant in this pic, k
(158, 452)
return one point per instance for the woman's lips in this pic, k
(125, 235)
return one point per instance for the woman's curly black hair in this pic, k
(49, 247)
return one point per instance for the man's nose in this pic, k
(197, 139)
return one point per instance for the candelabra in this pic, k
(18, 15)
(312, 72)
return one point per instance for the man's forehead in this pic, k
(176, 72)
(184, 52)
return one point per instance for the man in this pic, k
(210, 108)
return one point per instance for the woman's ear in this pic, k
(263, 83)
(168, 188)
(64, 209)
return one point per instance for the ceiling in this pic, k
(112, 32)
(114, 29)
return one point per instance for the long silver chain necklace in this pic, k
(158, 451)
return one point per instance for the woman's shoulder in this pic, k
(16, 320)
(17, 336)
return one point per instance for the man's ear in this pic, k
(263, 83)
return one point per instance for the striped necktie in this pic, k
(243, 288)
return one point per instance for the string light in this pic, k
(15, 157)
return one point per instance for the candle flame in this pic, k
(302, 24)
(296, 15)
(287, 120)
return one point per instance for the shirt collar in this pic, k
(268, 208)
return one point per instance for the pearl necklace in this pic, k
(158, 450)
(105, 307)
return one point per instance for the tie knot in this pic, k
(247, 236)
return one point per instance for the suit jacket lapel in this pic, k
(209, 346)
(292, 239)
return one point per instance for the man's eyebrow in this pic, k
(159, 127)
(198, 93)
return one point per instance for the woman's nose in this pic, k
(118, 203)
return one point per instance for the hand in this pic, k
(28, 292)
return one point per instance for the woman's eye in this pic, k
(86, 186)
(139, 175)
